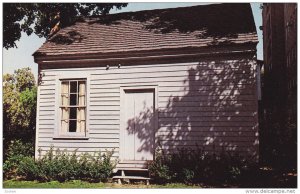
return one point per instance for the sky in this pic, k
(20, 57)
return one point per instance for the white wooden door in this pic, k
(139, 125)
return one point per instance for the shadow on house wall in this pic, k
(215, 111)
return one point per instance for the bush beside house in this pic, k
(56, 165)
(197, 166)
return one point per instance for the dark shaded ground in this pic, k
(265, 177)
(275, 179)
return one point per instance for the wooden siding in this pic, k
(211, 105)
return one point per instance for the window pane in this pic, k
(73, 99)
(64, 87)
(80, 126)
(80, 83)
(73, 113)
(65, 113)
(72, 126)
(64, 126)
(64, 99)
(81, 96)
(73, 85)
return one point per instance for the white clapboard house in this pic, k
(148, 81)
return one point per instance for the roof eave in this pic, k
(158, 55)
(39, 57)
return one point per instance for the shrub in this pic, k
(28, 168)
(187, 175)
(16, 151)
(195, 166)
(62, 166)
(106, 167)
(159, 169)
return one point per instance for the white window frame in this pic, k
(67, 76)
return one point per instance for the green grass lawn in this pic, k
(265, 178)
(81, 184)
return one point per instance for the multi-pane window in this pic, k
(73, 107)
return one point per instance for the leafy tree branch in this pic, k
(44, 19)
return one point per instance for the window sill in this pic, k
(70, 138)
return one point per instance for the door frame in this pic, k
(123, 90)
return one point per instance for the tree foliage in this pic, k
(19, 105)
(40, 18)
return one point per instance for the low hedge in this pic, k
(197, 166)
(59, 165)
(64, 167)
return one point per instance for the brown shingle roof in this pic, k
(177, 28)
